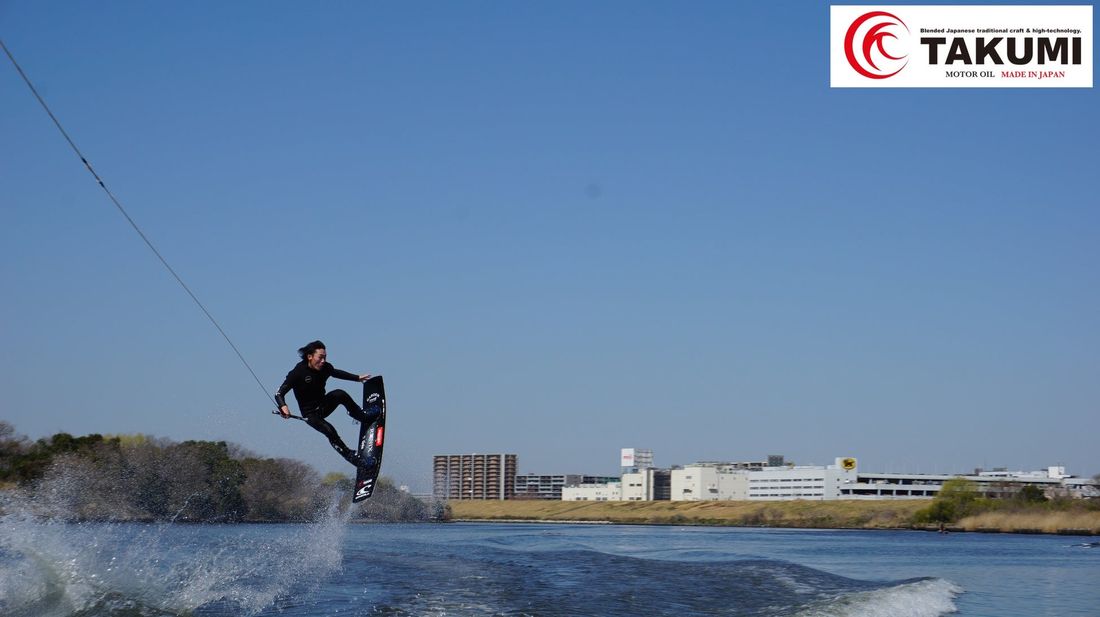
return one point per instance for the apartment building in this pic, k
(474, 476)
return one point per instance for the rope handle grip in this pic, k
(276, 412)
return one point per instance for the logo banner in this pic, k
(960, 46)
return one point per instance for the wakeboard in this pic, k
(371, 438)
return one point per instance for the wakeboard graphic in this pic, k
(371, 438)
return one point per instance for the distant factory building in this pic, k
(535, 486)
(494, 476)
(603, 491)
(1053, 481)
(709, 482)
(474, 476)
(776, 480)
(802, 482)
(647, 484)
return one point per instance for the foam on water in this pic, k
(51, 568)
(922, 598)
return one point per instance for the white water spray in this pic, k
(53, 568)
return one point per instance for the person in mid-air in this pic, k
(307, 379)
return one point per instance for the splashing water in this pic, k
(923, 598)
(51, 568)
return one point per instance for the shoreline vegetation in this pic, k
(142, 478)
(1069, 517)
(138, 478)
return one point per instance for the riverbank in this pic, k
(810, 514)
(789, 514)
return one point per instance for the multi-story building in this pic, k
(709, 482)
(841, 480)
(535, 486)
(1053, 481)
(493, 476)
(603, 491)
(474, 476)
(802, 482)
(649, 484)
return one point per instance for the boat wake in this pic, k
(920, 598)
(486, 579)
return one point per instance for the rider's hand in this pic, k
(284, 411)
(364, 377)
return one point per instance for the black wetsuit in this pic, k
(316, 405)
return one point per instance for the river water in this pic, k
(338, 568)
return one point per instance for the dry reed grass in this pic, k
(840, 514)
(807, 514)
(1042, 522)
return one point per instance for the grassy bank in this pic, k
(1082, 522)
(793, 514)
(816, 514)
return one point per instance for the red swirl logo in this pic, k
(865, 45)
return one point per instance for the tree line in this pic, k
(141, 478)
(959, 498)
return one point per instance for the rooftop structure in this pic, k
(633, 459)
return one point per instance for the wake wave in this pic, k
(922, 598)
(484, 578)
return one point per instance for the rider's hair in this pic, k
(310, 349)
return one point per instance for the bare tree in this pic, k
(280, 489)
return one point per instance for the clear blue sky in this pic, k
(557, 228)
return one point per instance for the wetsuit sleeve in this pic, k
(280, 394)
(337, 373)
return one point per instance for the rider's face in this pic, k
(317, 359)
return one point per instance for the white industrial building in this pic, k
(648, 484)
(723, 482)
(738, 481)
(611, 491)
(637, 486)
(709, 482)
(776, 481)
(802, 482)
(1053, 481)
(550, 486)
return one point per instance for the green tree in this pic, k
(218, 479)
(338, 482)
(958, 497)
(24, 463)
(388, 503)
(1029, 493)
(138, 477)
(12, 448)
(280, 490)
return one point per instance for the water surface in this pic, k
(338, 568)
